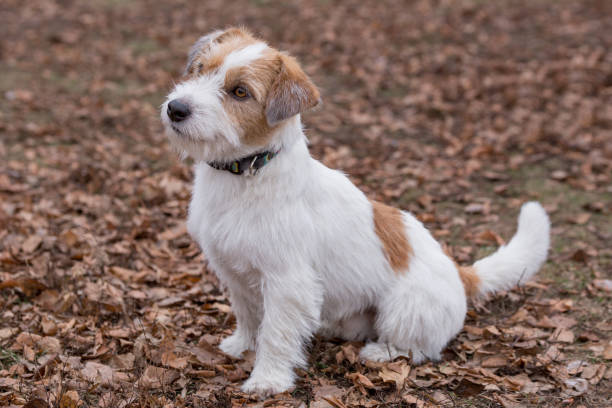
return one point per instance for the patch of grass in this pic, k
(144, 46)
(13, 78)
(8, 358)
(113, 4)
(71, 84)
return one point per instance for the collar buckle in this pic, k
(252, 170)
(249, 166)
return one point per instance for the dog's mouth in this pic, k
(184, 135)
(176, 129)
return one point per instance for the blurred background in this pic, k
(456, 110)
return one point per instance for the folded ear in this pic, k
(292, 92)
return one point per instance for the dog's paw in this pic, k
(379, 352)
(235, 345)
(266, 386)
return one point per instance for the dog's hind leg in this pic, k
(418, 318)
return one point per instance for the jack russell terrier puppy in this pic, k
(299, 247)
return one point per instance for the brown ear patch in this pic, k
(391, 230)
(292, 92)
(258, 77)
(470, 279)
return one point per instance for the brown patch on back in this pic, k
(390, 228)
(470, 279)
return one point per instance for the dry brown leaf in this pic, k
(607, 352)
(490, 237)
(97, 373)
(174, 232)
(28, 286)
(31, 244)
(122, 361)
(326, 396)
(494, 361)
(70, 399)
(562, 305)
(563, 336)
(395, 373)
(506, 401)
(361, 381)
(576, 386)
(157, 377)
(581, 218)
(36, 403)
(411, 399)
(467, 388)
(49, 344)
(48, 326)
(594, 373)
(349, 353)
(490, 332)
(8, 332)
(170, 359)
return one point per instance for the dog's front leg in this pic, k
(292, 309)
(246, 305)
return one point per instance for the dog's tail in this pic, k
(516, 262)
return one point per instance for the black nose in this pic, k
(178, 111)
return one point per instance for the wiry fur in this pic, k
(297, 245)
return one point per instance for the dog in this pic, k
(301, 249)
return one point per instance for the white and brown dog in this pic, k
(300, 248)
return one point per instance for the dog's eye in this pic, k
(240, 92)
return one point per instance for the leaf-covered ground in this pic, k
(456, 110)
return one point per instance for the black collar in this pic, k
(247, 165)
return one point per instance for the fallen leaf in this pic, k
(581, 218)
(28, 286)
(467, 388)
(578, 385)
(8, 332)
(361, 381)
(97, 373)
(172, 360)
(156, 377)
(326, 396)
(395, 373)
(607, 353)
(49, 344)
(562, 335)
(70, 399)
(494, 361)
(36, 403)
(31, 243)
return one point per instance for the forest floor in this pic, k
(457, 111)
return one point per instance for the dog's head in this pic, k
(236, 94)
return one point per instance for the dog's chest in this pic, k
(227, 233)
(243, 229)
